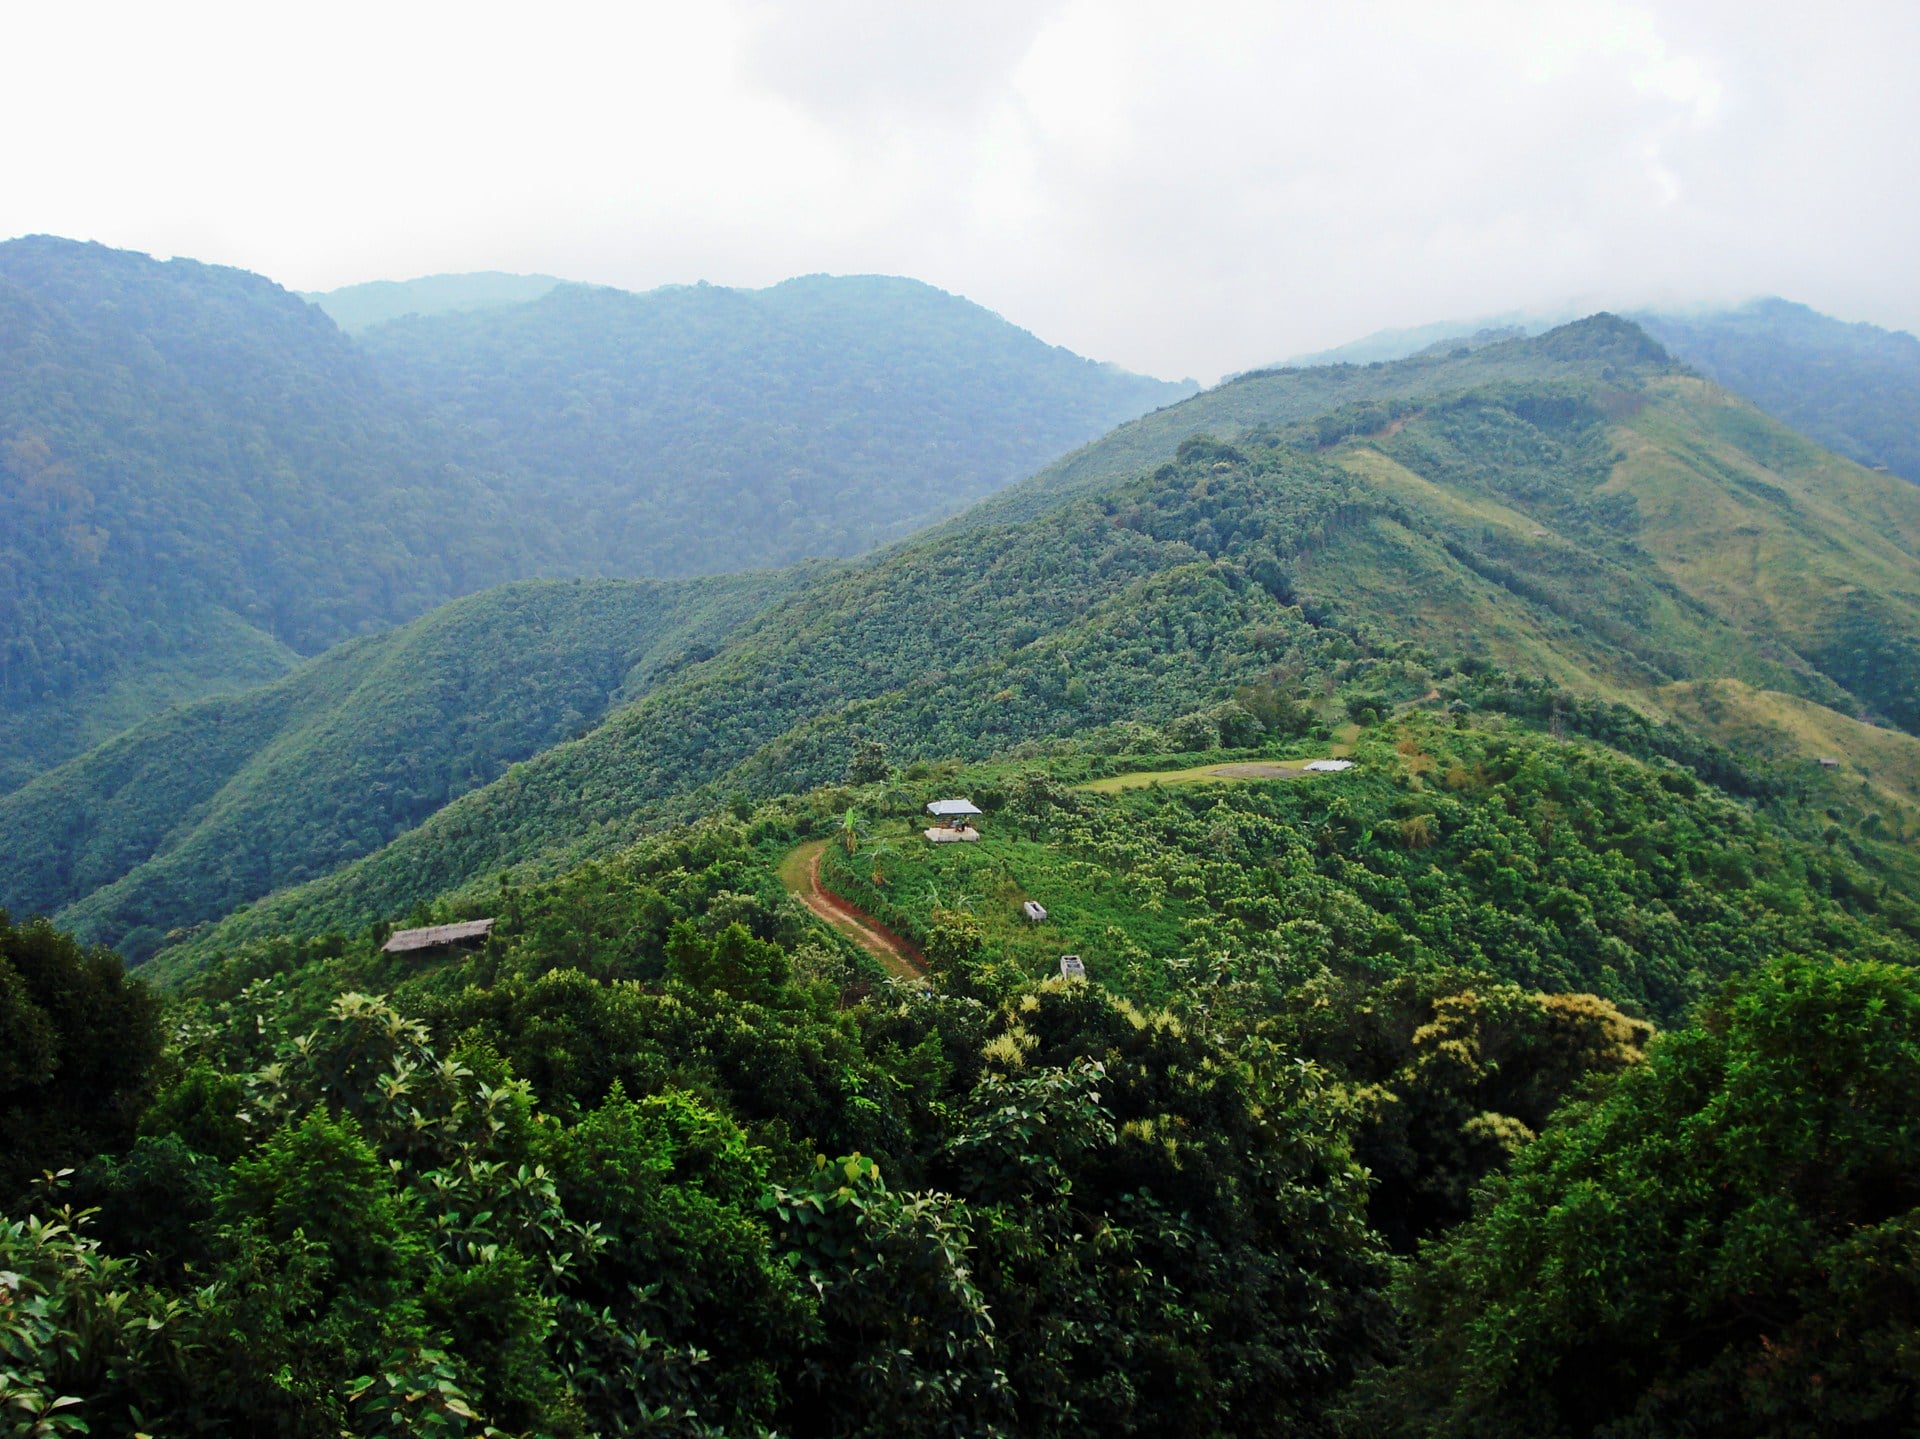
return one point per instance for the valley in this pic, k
(749, 1095)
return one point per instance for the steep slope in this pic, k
(200, 479)
(1517, 525)
(204, 808)
(359, 307)
(1855, 388)
(696, 429)
(1589, 350)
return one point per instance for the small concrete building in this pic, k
(1071, 967)
(1035, 911)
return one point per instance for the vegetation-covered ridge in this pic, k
(668, 1154)
(200, 480)
(1617, 536)
(697, 428)
(205, 808)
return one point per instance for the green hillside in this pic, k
(357, 307)
(200, 480)
(1369, 555)
(204, 808)
(664, 1140)
(1855, 388)
(1586, 351)
(696, 428)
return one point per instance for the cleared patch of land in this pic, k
(1199, 774)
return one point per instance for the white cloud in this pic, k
(1185, 190)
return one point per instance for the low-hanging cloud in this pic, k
(1186, 190)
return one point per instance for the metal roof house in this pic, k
(1327, 766)
(953, 815)
(438, 936)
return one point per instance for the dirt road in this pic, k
(800, 873)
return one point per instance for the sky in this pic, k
(1186, 189)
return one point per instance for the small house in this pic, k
(1071, 967)
(1035, 911)
(468, 934)
(953, 816)
(1828, 762)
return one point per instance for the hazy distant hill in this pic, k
(1853, 387)
(1618, 531)
(355, 307)
(206, 807)
(697, 429)
(201, 479)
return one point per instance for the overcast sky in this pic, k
(1188, 187)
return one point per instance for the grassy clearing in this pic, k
(1199, 774)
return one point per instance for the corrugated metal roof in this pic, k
(944, 807)
(436, 934)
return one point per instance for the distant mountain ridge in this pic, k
(202, 480)
(358, 307)
(696, 428)
(1854, 387)
(1611, 527)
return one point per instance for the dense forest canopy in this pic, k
(200, 480)
(698, 428)
(1548, 1070)
(1375, 554)
(203, 481)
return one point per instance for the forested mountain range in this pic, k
(201, 809)
(697, 428)
(1617, 534)
(356, 307)
(203, 480)
(1550, 1071)
(1855, 388)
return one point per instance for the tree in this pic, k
(78, 1041)
(1726, 1244)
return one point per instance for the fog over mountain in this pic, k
(1188, 192)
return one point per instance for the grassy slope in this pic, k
(1278, 397)
(202, 809)
(1877, 771)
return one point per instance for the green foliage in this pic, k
(197, 811)
(697, 429)
(1724, 1244)
(78, 1040)
(199, 479)
(1854, 388)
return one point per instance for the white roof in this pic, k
(952, 806)
(1327, 766)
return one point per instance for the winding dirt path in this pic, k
(800, 873)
